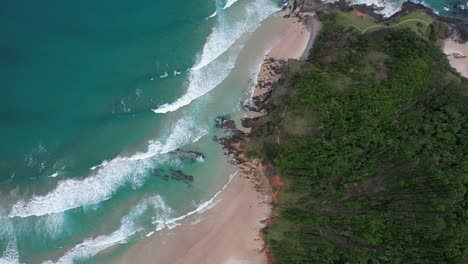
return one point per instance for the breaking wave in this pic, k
(211, 70)
(120, 171)
(128, 227)
(229, 3)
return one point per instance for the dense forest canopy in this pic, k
(370, 138)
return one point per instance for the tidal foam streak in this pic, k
(120, 171)
(128, 227)
(212, 68)
(173, 222)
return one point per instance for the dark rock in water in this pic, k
(197, 154)
(230, 124)
(225, 122)
(219, 121)
(283, 4)
(189, 156)
(461, 7)
(178, 175)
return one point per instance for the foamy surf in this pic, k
(10, 255)
(200, 83)
(386, 8)
(120, 171)
(212, 15)
(128, 227)
(225, 34)
(202, 207)
(211, 70)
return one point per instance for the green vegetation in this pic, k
(421, 24)
(376, 167)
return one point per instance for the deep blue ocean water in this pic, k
(101, 102)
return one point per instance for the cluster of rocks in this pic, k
(225, 121)
(458, 56)
(271, 73)
(249, 168)
(189, 156)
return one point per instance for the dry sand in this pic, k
(297, 38)
(229, 233)
(457, 54)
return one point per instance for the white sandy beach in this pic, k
(230, 232)
(457, 54)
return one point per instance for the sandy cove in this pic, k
(297, 40)
(230, 232)
(457, 54)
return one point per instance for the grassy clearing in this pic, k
(417, 22)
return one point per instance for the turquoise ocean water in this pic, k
(105, 108)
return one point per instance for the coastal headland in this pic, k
(273, 201)
(230, 231)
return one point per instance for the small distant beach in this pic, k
(457, 54)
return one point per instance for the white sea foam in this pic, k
(173, 222)
(164, 75)
(225, 34)
(55, 174)
(10, 255)
(201, 82)
(388, 8)
(161, 212)
(120, 171)
(104, 163)
(211, 70)
(213, 15)
(128, 227)
(229, 3)
(50, 226)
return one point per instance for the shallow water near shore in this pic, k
(107, 170)
(108, 118)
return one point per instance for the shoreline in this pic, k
(457, 55)
(230, 231)
(298, 38)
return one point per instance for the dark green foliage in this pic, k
(385, 179)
